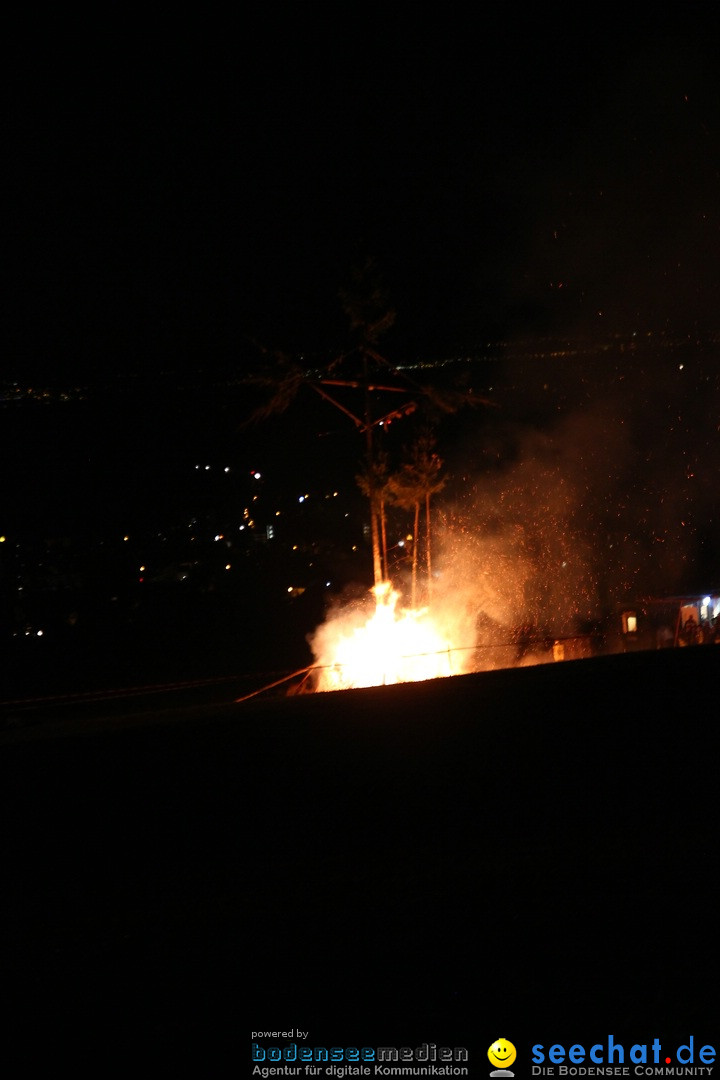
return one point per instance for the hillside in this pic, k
(386, 864)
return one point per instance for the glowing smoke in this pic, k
(547, 528)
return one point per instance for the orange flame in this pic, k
(389, 647)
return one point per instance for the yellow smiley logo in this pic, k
(502, 1053)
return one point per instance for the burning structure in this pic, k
(589, 485)
(389, 646)
(553, 532)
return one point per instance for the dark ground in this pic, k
(528, 853)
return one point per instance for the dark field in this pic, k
(529, 853)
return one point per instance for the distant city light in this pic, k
(257, 475)
(226, 469)
(228, 566)
(2, 539)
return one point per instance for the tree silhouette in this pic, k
(411, 487)
(374, 483)
(362, 369)
(364, 304)
(428, 465)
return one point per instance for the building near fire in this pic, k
(673, 622)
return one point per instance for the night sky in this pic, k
(183, 187)
(175, 191)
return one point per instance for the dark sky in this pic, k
(174, 190)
